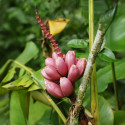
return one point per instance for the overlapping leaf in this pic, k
(105, 112)
(39, 78)
(115, 35)
(21, 83)
(104, 75)
(107, 55)
(77, 43)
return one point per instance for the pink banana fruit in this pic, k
(66, 86)
(52, 73)
(73, 74)
(61, 66)
(81, 64)
(50, 62)
(54, 55)
(70, 59)
(54, 89)
(43, 73)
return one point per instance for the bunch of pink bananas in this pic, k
(61, 73)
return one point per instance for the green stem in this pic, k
(23, 66)
(54, 106)
(94, 91)
(115, 86)
(91, 23)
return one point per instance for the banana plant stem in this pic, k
(115, 86)
(94, 91)
(23, 66)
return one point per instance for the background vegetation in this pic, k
(18, 27)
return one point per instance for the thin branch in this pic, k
(86, 77)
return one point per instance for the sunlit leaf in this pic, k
(39, 78)
(21, 83)
(21, 73)
(29, 52)
(105, 112)
(4, 69)
(77, 43)
(104, 75)
(119, 118)
(9, 75)
(107, 55)
(57, 26)
(33, 87)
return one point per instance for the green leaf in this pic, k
(4, 113)
(33, 87)
(4, 69)
(77, 43)
(18, 14)
(36, 111)
(10, 74)
(119, 118)
(39, 78)
(17, 116)
(24, 102)
(81, 54)
(107, 18)
(29, 52)
(100, 7)
(45, 119)
(4, 102)
(115, 36)
(104, 75)
(40, 97)
(105, 112)
(50, 117)
(107, 55)
(3, 91)
(21, 83)
(21, 72)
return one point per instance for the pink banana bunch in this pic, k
(61, 73)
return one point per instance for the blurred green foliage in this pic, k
(18, 26)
